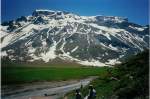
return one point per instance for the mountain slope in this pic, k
(48, 35)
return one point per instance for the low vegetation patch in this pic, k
(129, 80)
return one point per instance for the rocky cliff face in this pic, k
(89, 40)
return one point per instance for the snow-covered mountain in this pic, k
(57, 35)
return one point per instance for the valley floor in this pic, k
(24, 81)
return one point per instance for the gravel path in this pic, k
(53, 90)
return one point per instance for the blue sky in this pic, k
(135, 10)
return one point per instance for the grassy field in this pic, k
(26, 73)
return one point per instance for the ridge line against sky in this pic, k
(135, 10)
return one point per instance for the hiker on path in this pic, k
(78, 94)
(92, 93)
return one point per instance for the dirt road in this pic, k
(52, 90)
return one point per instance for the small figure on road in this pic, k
(92, 92)
(45, 95)
(78, 94)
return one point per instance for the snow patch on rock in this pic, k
(50, 54)
(3, 53)
(92, 63)
(73, 50)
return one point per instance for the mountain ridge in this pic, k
(87, 40)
